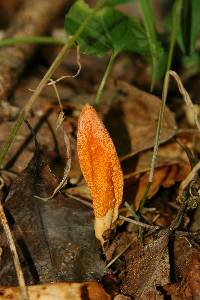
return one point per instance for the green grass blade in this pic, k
(105, 77)
(186, 25)
(176, 20)
(43, 40)
(157, 140)
(157, 52)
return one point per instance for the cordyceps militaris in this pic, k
(101, 169)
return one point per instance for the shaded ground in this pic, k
(55, 239)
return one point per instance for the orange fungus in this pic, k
(99, 163)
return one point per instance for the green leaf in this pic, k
(158, 63)
(188, 27)
(157, 51)
(90, 41)
(195, 26)
(174, 21)
(108, 30)
(186, 19)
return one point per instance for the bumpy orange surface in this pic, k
(99, 162)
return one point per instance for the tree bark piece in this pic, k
(33, 18)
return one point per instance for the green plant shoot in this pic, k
(109, 31)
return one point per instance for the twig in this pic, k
(138, 223)
(177, 222)
(86, 203)
(186, 195)
(61, 116)
(66, 170)
(52, 82)
(136, 217)
(117, 256)
(13, 250)
(59, 122)
(133, 213)
(78, 61)
(184, 184)
(186, 96)
(183, 233)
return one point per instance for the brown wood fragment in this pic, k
(58, 291)
(33, 18)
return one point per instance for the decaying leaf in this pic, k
(58, 291)
(187, 270)
(101, 169)
(55, 239)
(146, 269)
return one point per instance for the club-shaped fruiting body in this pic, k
(101, 169)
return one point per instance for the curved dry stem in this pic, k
(13, 250)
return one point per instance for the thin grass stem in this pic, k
(175, 24)
(105, 77)
(137, 218)
(49, 40)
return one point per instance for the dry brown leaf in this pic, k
(132, 119)
(172, 166)
(187, 271)
(146, 269)
(55, 239)
(58, 291)
(168, 154)
(158, 178)
(164, 176)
